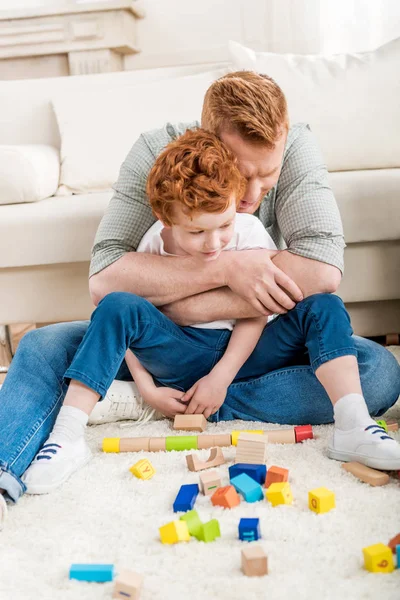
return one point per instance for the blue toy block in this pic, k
(186, 497)
(398, 555)
(250, 489)
(249, 530)
(256, 472)
(98, 573)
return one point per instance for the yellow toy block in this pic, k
(321, 500)
(235, 434)
(176, 531)
(378, 559)
(143, 469)
(279, 493)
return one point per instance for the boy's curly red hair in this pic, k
(196, 172)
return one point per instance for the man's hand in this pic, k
(205, 396)
(253, 276)
(166, 400)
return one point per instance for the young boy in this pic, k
(194, 188)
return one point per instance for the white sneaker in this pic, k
(55, 463)
(121, 403)
(3, 511)
(371, 446)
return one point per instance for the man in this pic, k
(288, 190)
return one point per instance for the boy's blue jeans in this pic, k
(277, 384)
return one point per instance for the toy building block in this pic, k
(366, 474)
(209, 482)
(193, 522)
(279, 493)
(321, 500)
(216, 458)
(209, 531)
(157, 444)
(92, 572)
(395, 541)
(174, 532)
(143, 469)
(256, 472)
(281, 436)
(235, 434)
(378, 559)
(181, 442)
(227, 497)
(303, 432)
(250, 489)
(190, 422)
(382, 423)
(254, 561)
(209, 441)
(128, 585)
(186, 497)
(398, 555)
(392, 425)
(251, 449)
(249, 530)
(276, 475)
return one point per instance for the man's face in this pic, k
(260, 165)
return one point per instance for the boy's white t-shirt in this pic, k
(249, 233)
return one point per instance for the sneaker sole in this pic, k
(46, 489)
(375, 463)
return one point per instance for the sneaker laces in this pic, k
(377, 429)
(146, 414)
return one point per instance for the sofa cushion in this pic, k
(351, 101)
(28, 173)
(55, 230)
(98, 130)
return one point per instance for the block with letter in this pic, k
(186, 497)
(174, 532)
(256, 472)
(128, 585)
(321, 500)
(254, 561)
(249, 530)
(209, 482)
(250, 489)
(279, 493)
(276, 475)
(226, 496)
(378, 559)
(143, 469)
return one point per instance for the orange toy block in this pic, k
(393, 543)
(190, 422)
(216, 458)
(276, 475)
(227, 497)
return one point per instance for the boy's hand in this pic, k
(166, 400)
(205, 396)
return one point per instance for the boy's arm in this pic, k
(141, 376)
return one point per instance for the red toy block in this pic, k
(393, 543)
(227, 497)
(303, 432)
(276, 475)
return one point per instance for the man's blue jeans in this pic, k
(277, 383)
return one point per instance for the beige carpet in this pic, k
(105, 515)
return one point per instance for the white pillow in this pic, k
(99, 128)
(28, 173)
(351, 101)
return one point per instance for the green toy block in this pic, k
(193, 522)
(209, 531)
(383, 424)
(181, 442)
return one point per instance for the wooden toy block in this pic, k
(279, 493)
(216, 458)
(395, 541)
(392, 425)
(91, 572)
(303, 432)
(254, 561)
(321, 500)
(366, 474)
(235, 434)
(157, 444)
(222, 439)
(181, 442)
(209, 531)
(174, 532)
(382, 423)
(251, 449)
(134, 444)
(227, 497)
(281, 436)
(143, 469)
(209, 482)
(186, 497)
(128, 585)
(276, 475)
(378, 559)
(249, 530)
(190, 422)
(193, 522)
(110, 445)
(256, 472)
(250, 489)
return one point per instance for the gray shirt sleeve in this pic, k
(306, 210)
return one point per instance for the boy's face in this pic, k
(204, 235)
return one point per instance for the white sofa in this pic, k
(62, 141)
